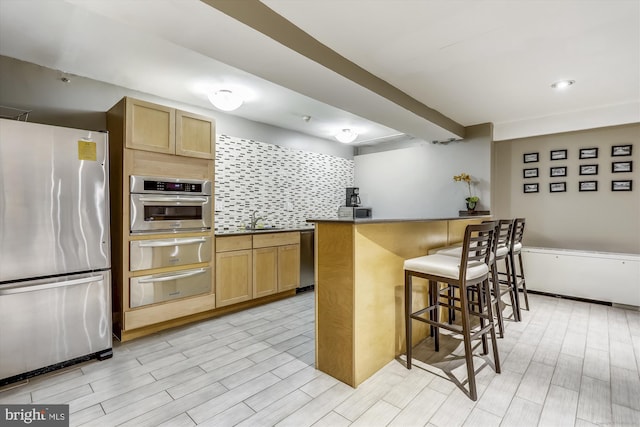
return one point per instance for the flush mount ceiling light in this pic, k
(225, 100)
(562, 84)
(346, 135)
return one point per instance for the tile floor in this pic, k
(567, 363)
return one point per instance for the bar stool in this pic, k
(468, 273)
(517, 278)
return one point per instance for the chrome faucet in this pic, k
(254, 220)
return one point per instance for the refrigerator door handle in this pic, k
(167, 277)
(21, 288)
(174, 242)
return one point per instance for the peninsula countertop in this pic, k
(388, 220)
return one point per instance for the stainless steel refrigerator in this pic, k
(55, 279)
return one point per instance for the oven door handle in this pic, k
(174, 199)
(173, 276)
(174, 242)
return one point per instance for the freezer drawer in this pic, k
(145, 290)
(148, 254)
(48, 322)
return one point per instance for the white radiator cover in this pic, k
(600, 276)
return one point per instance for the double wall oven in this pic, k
(162, 211)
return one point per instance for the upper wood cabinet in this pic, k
(153, 127)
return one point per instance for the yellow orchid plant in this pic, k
(465, 177)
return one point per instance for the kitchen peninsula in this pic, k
(360, 288)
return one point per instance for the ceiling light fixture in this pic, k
(562, 84)
(346, 135)
(225, 100)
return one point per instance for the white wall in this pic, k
(417, 181)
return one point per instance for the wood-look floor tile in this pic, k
(248, 374)
(105, 393)
(596, 364)
(276, 411)
(568, 372)
(85, 415)
(594, 403)
(519, 358)
(404, 392)
(574, 343)
(522, 413)
(535, 383)
(187, 385)
(181, 420)
(380, 414)
(478, 417)
(497, 397)
(559, 407)
(233, 356)
(125, 413)
(625, 388)
(419, 409)
(231, 398)
(229, 417)
(623, 416)
(282, 388)
(367, 394)
(289, 368)
(190, 362)
(453, 411)
(318, 407)
(332, 419)
(622, 355)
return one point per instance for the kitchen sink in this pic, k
(263, 228)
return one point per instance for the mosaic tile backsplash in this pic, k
(285, 185)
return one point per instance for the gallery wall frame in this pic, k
(557, 187)
(588, 169)
(558, 171)
(588, 186)
(618, 167)
(558, 155)
(530, 157)
(530, 173)
(621, 185)
(531, 188)
(621, 150)
(588, 153)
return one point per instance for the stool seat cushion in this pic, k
(502, 251)
(445, 266)
(517, 248)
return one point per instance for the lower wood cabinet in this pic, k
(265, 271)
(288, 267)
(234, 270)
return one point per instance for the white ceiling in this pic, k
(474, 61)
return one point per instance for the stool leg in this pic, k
(481, 303)
(435, 313)
(496, 292)
(407, 315)
(524, 285)
(510, 286)
(514, 285)
(494, 342)
(466, 335)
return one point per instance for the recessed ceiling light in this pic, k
(225, 100)
(346, 136)
(562, 84)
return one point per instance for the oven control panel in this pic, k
(185, 187)
(164, 185)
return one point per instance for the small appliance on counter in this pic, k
(347, 212)
(353, 197)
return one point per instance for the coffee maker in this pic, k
(353, 198)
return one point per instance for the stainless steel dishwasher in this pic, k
(307, 272)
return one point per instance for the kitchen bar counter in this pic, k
(360, 288)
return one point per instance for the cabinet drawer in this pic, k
(276, 239)
(148, 254)
(155, 288)
(233, 243)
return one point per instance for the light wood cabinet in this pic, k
(288, 267)
(153, 127)
(234, 270)
(276, 262)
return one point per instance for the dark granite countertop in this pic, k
(241, 231)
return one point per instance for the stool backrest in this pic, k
(477, 245)
(504, 232)
(518, 231)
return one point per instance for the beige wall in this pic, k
(597, 221)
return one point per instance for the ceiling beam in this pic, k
(258, 16)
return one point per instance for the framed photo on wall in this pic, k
(624, 185)
(621, 150)
(530, 173)
(588, 153)
(557, 187)
(588, 186)
(530, 157)
(530, 188)
(558, 154)
(617, 167)
(559, 171)
(588, 169)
